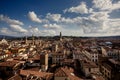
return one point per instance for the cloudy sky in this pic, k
(49, 17)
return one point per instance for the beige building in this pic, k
(54, 47)
(89, 67)
(65, 73)
(77, 55)
(104, 53)
(109, 52)
(4, 41)
(91, 55)
(111, 69)
(57, 57)
(3, 56)
(44, 61)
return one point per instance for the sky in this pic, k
(50, 17)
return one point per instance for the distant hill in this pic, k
(104, 37)
(54, 37)
(7, 37)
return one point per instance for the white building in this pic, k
(3, 41)
(77, 55)
(112, 53)
(88, 67)
(92, 55)
(57, 57)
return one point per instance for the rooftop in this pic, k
(44, 75)
(66, 72)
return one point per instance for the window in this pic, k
(108, 74)
(89, 69)
(105, 71)
(95, 60)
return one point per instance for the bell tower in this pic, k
(60, 36)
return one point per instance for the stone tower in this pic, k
(60, 36)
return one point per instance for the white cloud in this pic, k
(14, 25)
(6, 31)
(91, 26)
(97, 22)
(99, 16)
(100, 25)
(43, 32)
(33, 29)
(54, 17)
(114, 22)
(10, 21)
(114, 25)
(48, 33)
(71, 32)
(52, 26)
(18, 28)
(67, 20)
(106, 5)
(33, 17)
(116, 5)
(57, 18)
(82, 9)
(102, 4)
(90, 10)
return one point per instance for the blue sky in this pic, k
(49, 17)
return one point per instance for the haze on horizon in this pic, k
(49, 17)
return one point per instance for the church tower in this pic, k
(60, 36)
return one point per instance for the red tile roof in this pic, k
(66, 72)
(9, 63)
(44, 75)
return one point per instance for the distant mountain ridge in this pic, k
(6, 37)
(84, 37)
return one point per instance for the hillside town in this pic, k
(59, 58)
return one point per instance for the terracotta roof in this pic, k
(67, 60)
(15, 77)
(9, 63)
(44, 75)
(34, 58)
(60, 73)
(34, 69)
(107, 66)
(89, 64)
(58, 54)
(66, 72)
(18, 58)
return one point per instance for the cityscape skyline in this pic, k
(49, 18)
